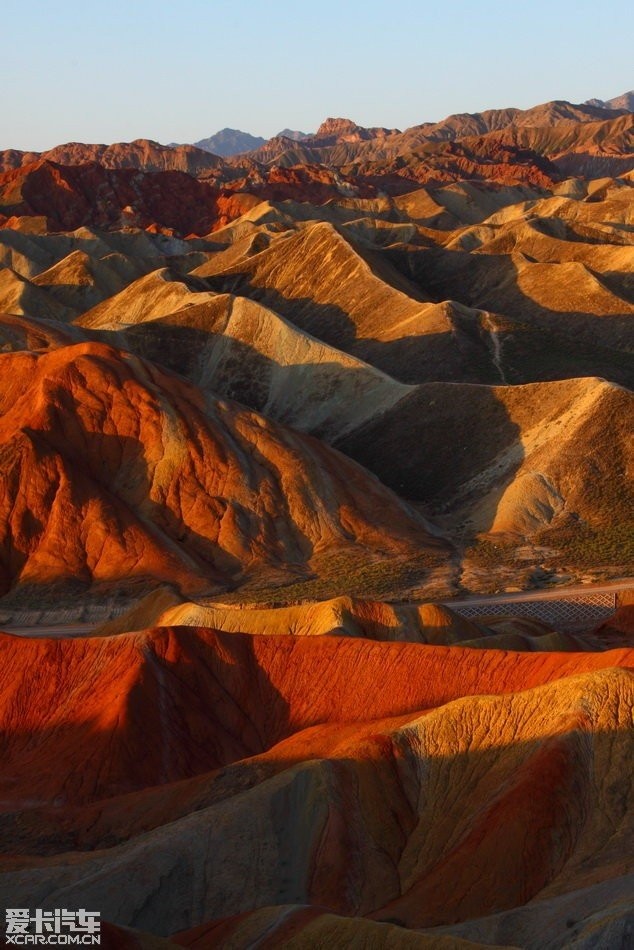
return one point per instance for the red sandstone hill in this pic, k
(72, 196)
(181, 776)
(115, 471)
(214, 698)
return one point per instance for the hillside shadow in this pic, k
(183, 715)
(493, 282)
(327, 322)
(426, 446)
(465, 356)
(202, 703)
(441, 442)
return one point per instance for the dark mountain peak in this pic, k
(228, 142)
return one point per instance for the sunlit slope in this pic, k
(116, 471)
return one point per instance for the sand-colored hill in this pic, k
(22, 298)
(462, 203)
(78, 282)
(152, 296)
(356, 303)
(351, 617)
(342, 616)
(542, 452)
(562, 297)
(129, 253)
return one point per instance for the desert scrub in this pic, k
(592, 546)
(341, 573)
(487, 553)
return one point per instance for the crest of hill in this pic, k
(162, 292)
(109, 478)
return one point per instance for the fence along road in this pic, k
(571, 609)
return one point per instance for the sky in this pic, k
(116, 70)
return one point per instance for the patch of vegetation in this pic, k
(592, 546)
(341, 573)
(487, 553)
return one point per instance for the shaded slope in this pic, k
(240, 349)
(506, 459)
(321, 284)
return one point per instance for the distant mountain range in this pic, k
(229, 142)
(536, 146)
(626, 101)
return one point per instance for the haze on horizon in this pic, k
(104, 73)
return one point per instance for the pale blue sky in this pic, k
(113, 71)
